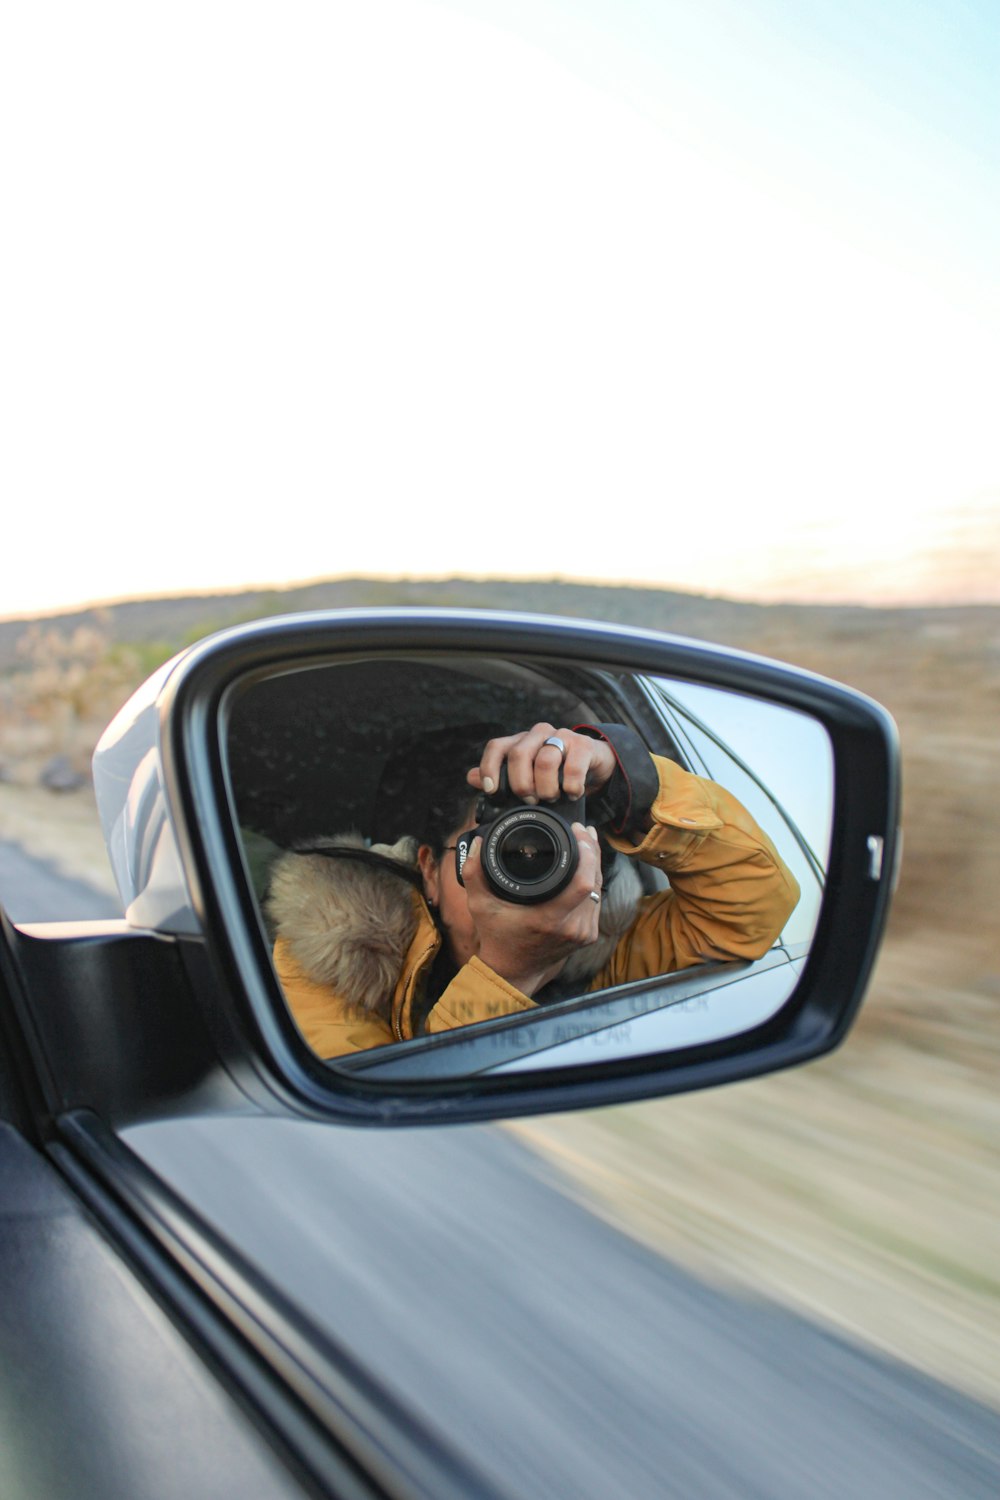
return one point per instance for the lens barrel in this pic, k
(529, 852)
(529, 855)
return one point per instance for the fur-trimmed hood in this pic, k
(350, 924)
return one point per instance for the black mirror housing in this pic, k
(184, 869)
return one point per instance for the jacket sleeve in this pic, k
(730, 891)
(476, 994)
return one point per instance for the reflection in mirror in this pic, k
(470, 865)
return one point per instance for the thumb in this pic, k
(471, 867)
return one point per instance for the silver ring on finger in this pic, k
(595, 896)
(554, 739)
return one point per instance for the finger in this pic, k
(577, 762)
(521, 757)
(583, 923)
(486, 776)
(588, 922)
(472, 871)
(549, 767)
(586, 877)
(592, 878)
(590, 857)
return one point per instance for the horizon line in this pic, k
(754, 598)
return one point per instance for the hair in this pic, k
(423, 791)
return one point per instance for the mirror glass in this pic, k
(673, 906)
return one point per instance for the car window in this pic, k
(789, 789)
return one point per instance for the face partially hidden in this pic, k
(441, 889)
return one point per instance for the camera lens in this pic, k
(528, 854)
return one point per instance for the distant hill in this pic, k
(174, 622)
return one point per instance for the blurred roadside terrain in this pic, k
(864, 1189)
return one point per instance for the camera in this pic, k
(529, 853)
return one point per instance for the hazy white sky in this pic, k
(690, 292)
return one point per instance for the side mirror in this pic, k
(267, 796)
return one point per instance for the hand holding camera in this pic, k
(544, 764)
(531, 869)
(528, 944)
(532, 865)
(533, 789)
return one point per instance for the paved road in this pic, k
(32, 890)
(566, 1359)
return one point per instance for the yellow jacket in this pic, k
(730, 896)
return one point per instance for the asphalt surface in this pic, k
(32, 890)
(561, 1356)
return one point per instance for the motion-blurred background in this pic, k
(679, 314)
(862, 1190)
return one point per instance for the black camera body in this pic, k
(529, 853)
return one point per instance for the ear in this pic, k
(430, 869)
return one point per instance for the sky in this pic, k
(697, 293)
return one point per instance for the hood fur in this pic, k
(347, 924)
(350, 925)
